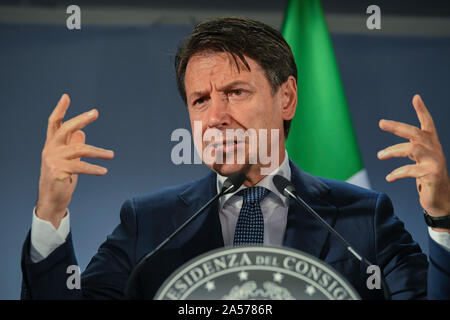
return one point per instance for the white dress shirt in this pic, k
(274, 208)
(45, 237)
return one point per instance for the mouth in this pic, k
(225, 146)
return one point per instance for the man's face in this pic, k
(223, 97)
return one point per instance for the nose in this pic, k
(218, 116)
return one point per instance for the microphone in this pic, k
(285, 187)
(231, 184)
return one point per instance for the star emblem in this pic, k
(243, 276)
(310, 290)
(210, 286)
(277, 277)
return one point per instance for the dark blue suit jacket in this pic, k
(365, 218)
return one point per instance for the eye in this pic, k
(199, 101)
(236, 92)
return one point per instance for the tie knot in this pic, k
(254, 195)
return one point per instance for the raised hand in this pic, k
(61, 161)
(424, 148)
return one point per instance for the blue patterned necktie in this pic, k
(250, 224)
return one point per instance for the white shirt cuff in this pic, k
(45, 237)
(442, 238)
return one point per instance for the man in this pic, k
(237, 74)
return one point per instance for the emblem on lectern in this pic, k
(256, 273)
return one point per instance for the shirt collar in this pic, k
(284, 170)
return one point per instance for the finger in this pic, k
(408, 171)
(77, 137)
(79, 150)
(55, 119)
(398, 150)
(425, 119)
(74, 124)
(400, 129)
(413, 151)
(81, 167)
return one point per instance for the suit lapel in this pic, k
(303, 231)
(204, 233)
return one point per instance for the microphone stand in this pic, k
(285, 187)
(230, 185)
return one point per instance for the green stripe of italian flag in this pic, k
(322, 139)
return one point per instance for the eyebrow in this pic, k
(234, 84)
(196, 94)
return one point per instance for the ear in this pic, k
(288, 98)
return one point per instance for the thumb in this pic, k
(78, 137)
